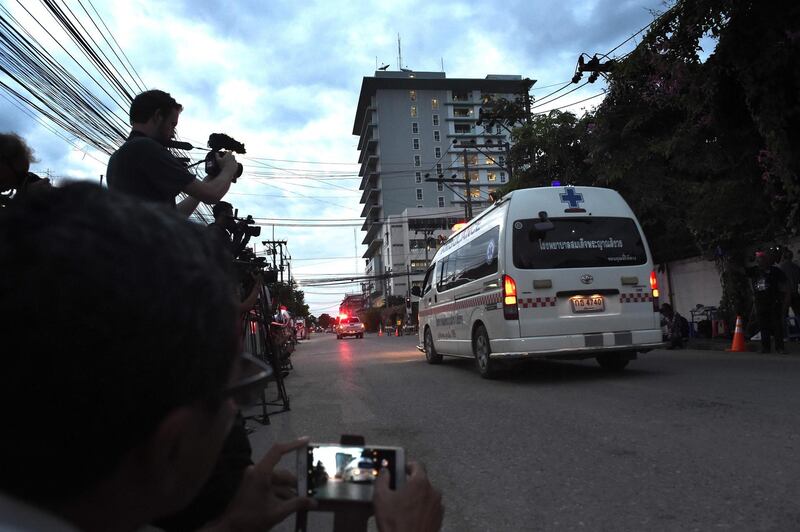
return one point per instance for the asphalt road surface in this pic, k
(681, 440)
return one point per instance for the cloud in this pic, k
(284, 77)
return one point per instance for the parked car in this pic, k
(349, 327)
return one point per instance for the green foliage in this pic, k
(706, 152)
(289, 296)
(325, 320)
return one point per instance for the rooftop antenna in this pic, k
(399, 53)
(376, 62)
(442, 64)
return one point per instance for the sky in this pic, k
(283, 77)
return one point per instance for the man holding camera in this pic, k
(145, 168)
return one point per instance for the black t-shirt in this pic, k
(144, 168)
(768, 286)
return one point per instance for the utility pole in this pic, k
(469, 190)
(276, 249)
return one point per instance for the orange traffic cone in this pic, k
(738, 345)
(380, 330)
(397, 331)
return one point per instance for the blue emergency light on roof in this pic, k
(555, 184)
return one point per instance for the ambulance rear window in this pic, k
(586, 242)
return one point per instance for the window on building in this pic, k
(502, 177)
(497, 130)
(491, 176)
(462, 112)
(440, 187)
(417, 160)
(435, 120)
(438, 168)
(413, 111)
(419, 206)
(436, 136)
(489, 160)
(419, 265)
(441, 201)
(472, 159)
(437, 152)
(415, 143)
(419, 194)
(461, 96)
(501, 161)
(418, 177)
(412, 95)
(434, 103)
(463, 129)
(414, 128)
(475, 193)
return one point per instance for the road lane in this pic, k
(681, 440)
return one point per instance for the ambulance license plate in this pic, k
(587, 304)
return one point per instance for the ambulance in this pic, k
(550, 273)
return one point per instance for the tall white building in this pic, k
(407, 123)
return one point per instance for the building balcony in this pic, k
(373, 229)
(371, 194)
(371, 210)
(370, 180)
(369, 134)
(373, 248)
(370, 162)
(371, 151)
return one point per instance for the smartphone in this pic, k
(332, 472)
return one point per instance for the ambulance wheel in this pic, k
(430, 351)
(482, 349)
(612, 361)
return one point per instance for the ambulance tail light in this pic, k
(654, 290)
(510, 308)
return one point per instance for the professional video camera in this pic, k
(243, 230)
(248, 263)
(218, 142)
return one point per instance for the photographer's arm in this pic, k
(265, 496)
(251, 299)
(210, 190)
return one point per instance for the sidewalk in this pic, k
(722, 344)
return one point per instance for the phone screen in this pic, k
(348, 473)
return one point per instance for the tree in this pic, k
(293, 299)
(325, 320)
(704, 151)
(550, 148)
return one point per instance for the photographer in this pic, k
(145, 168)
(15, 161)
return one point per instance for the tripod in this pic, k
(263, 346)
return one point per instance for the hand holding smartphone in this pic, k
(333, 472)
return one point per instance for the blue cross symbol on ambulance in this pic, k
(571, 198)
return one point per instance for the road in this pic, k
(682, 440)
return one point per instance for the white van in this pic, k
(557, 272)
